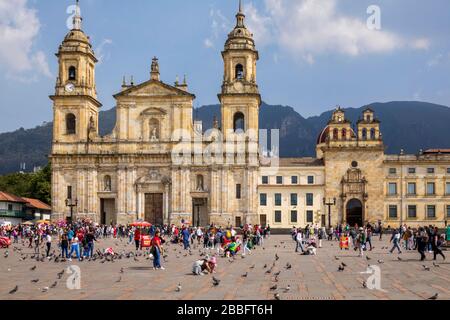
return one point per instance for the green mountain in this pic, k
(405, 125)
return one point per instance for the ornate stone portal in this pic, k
(354, 196)
(153, 192)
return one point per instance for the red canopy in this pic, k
(141, 224)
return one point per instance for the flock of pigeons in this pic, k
(102, 257)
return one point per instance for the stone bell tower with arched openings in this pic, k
(240, 98)
(240, 101)
(75, 125)
(75, 100)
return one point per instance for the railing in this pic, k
(13, 214)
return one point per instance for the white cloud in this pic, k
(421, 44)
(219, 24)
(19, 28)
(100, 51)
(208, 43)
(308, 28)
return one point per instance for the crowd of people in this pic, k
(77, 239)
(423, 239)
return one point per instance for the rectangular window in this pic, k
(392, 188)
(265, 180)
(10, 207)
(279, 180)
(412, 212)
(393, 211)
(392, 171)
(293, 199)
(448, 170)
(278, 216)
(309, 199)
(294, 180)
(448, 211)
(309, 216)
(263, 199)
(238, 191)
(278, 199)
(411, 188)
(430, 188)
(430, 170)
(310, 179)
(69, 192)
(294, 216)
(411, 170)
(447, 188)
(431, 211)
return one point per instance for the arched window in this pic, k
(239, 71)
(107, 183)
(344, 134)
(72, 73)
(364, 134)
(154, 130)
(372, 134)
(335, 134)
(239, 122)
(71, 123)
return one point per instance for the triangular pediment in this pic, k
(153, 88)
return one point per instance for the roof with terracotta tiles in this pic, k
(8, 197)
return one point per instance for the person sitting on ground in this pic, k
(200, 266)
(311, 249)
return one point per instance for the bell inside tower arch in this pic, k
(239, 73)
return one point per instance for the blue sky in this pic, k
(314, 55)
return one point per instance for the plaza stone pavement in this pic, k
(310, 278)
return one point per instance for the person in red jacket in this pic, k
(137, 238)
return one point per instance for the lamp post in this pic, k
(71, 204)
(329, 203)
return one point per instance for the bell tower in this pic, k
(240, 98)
(75, 100)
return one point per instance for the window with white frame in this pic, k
(392, 188)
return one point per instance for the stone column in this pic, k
(80, 195)
(166, 203)
(121, 192)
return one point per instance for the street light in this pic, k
(329, 203)
(71, 204)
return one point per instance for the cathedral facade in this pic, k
(160, 165)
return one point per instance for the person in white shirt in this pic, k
(299, 240)
(48, 242)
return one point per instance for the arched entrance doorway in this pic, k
(354, 212)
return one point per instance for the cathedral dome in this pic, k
(76, 35)
(240, 37)
(323, 135)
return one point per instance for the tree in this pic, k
(35, 185)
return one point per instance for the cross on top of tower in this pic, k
(77, 19)
(240, 16)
